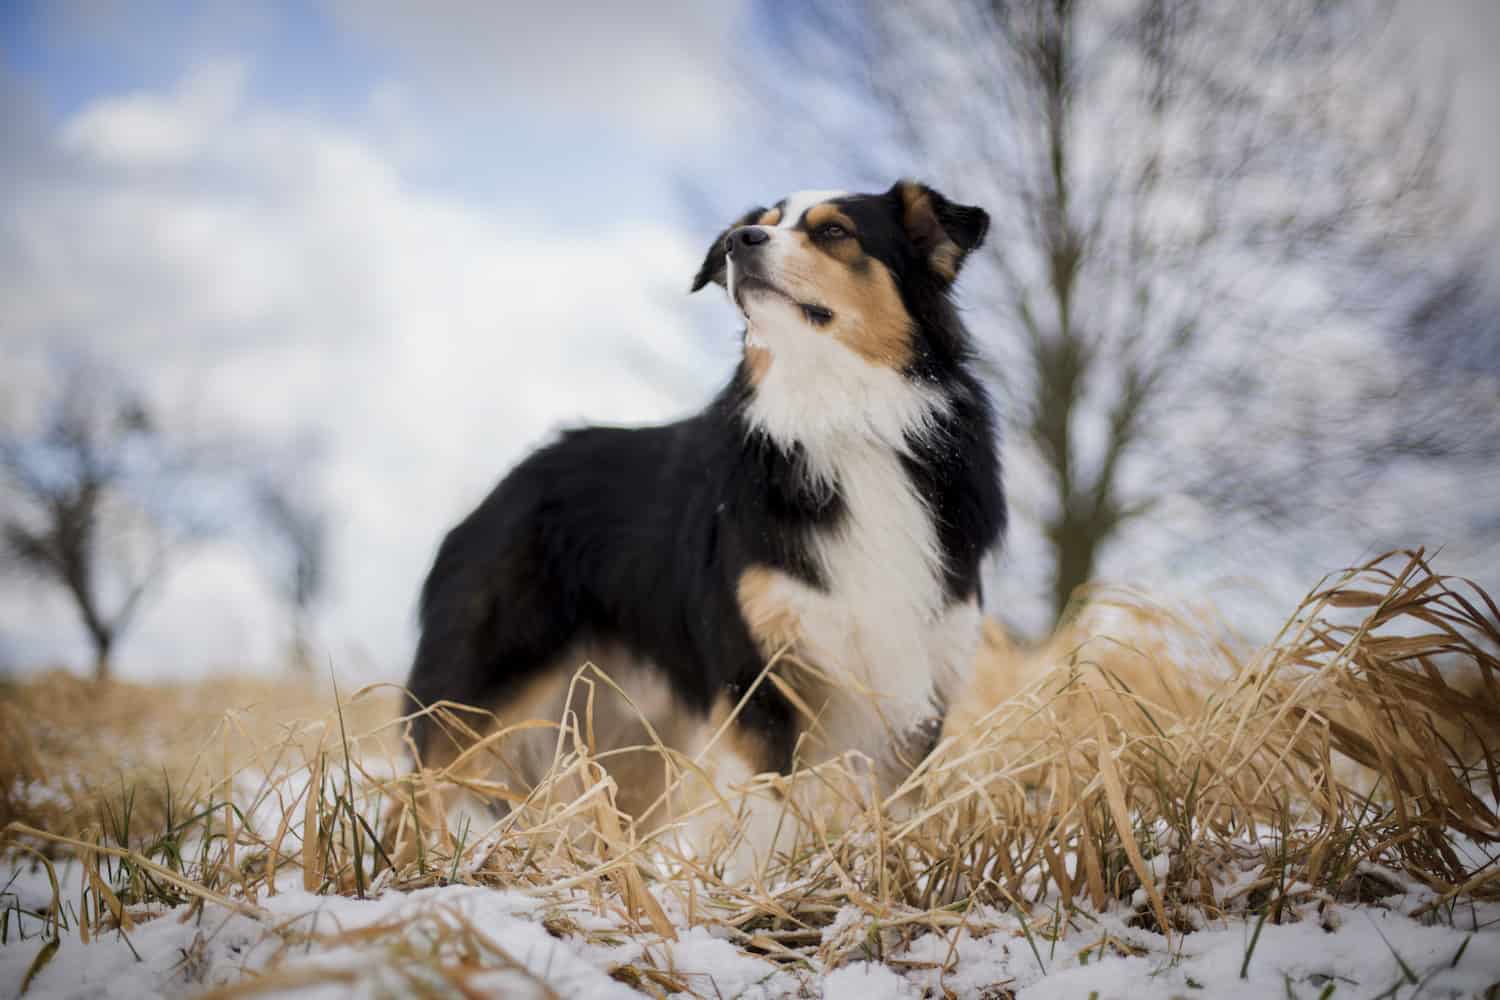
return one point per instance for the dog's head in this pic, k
(857, 268)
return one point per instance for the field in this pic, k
(1144, 806)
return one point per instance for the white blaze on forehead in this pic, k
(798, 202)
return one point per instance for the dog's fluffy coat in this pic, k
(834, 501)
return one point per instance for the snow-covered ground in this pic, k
(512, 944)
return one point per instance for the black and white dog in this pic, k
(833, 501)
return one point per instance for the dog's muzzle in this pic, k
(749, 269)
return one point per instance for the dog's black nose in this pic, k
(748, 236)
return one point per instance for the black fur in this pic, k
(639, 537)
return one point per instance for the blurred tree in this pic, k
(1210, 222)
(1452, 333)
(95, 499)
(296, 525)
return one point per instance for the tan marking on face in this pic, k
(868, 315)
(769, 217)
(923, 227)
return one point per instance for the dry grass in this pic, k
(1159, 768)
(82, 746)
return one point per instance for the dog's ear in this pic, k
(944, 232)
(714, 263)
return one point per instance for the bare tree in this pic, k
(94, 501)
(1208, 219)
(295, 523)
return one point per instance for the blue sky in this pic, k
(471, 90)
(77, 53)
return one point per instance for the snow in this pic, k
(374, 946)
(1290, 958)
(711, 966)
(518, 943)
(867, 981)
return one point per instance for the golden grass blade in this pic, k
(43, 957)
(312, 835)
(91, 870)
(1115, 794)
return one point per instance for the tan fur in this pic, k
(520, 737)
(772, 624)
(822, 215)
(923, 226)
(516, 745)
(769, 217)
(944, 259)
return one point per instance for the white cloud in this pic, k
(283, 274)
(159, 130)
(640, 68)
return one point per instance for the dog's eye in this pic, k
(832, 231)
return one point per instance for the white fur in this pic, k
(733, 822)
(797, 203)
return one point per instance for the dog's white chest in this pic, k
(883, 562)
(881, 628)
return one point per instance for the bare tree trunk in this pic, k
(1075, 548)
(104, 641)
(101, 631)
(1063, 359)
(300, 651)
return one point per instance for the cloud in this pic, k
(255, 266)
(652, 68)
(154, 130)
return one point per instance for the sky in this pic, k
(431, 234)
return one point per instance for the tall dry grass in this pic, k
(1138, 760)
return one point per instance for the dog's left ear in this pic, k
(714, 263)
(943, 231)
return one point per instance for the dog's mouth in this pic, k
(747, 284)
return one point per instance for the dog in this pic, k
(831, 506)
